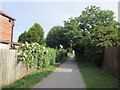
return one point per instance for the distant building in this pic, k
(6, 31)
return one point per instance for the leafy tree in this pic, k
(94, 15)
(91, 32)
(23, 37)
(78, 27)
(101, 38)
(56, 37)
(34, 34)
(105, 36)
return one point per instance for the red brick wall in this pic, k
(6, 26)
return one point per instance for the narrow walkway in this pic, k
(66, 76)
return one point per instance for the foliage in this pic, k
(101, 38)
(23, 37)
(61, 55)
(56, 37)
(105, 36)
(36, 55)
(34, 34)
(39, 56)
(91, 32)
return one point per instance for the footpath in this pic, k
(65, 76)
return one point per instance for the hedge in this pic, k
(39, 56)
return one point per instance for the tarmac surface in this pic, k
(65, 76)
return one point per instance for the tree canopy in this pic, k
(91, 32)
(88, 35)
(56, 37)
(34, 34)
(23, 37)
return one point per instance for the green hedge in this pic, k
(61, 54)
(39, 56)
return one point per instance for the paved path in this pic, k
(66, 76)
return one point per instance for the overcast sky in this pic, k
(49, 14)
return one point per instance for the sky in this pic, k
(49, 13)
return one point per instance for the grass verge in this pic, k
(31, 79)
(95, 77)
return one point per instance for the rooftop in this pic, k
(6, 15)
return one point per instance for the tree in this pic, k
(34, 34)
(85, 32)
(101, 38)
(23, 37)
(94, 15)
(79, 27)
(56, 37)
(105, 36)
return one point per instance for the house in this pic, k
(6, 31)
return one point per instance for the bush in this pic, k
(94, 54)
(61, 55)
(39, 56)
(36, 55)
(52, 56)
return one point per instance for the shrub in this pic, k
(94, 54)
(39, 56)
(52, 55)
(61, 54)
(36, 55)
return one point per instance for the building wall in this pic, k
(0, 27)
(6, 28)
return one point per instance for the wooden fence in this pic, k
(10, 70)
(112, 60)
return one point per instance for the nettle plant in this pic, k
(36, 55)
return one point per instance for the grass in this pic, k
(30, 80)
(96, 77)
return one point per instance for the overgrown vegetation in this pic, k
(88, 35)
(61, 54)
(95, 77)
(92, 32)
(38, 56)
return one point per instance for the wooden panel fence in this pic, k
(10, 70)
(112, 60)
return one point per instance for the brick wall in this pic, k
(6, 27)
